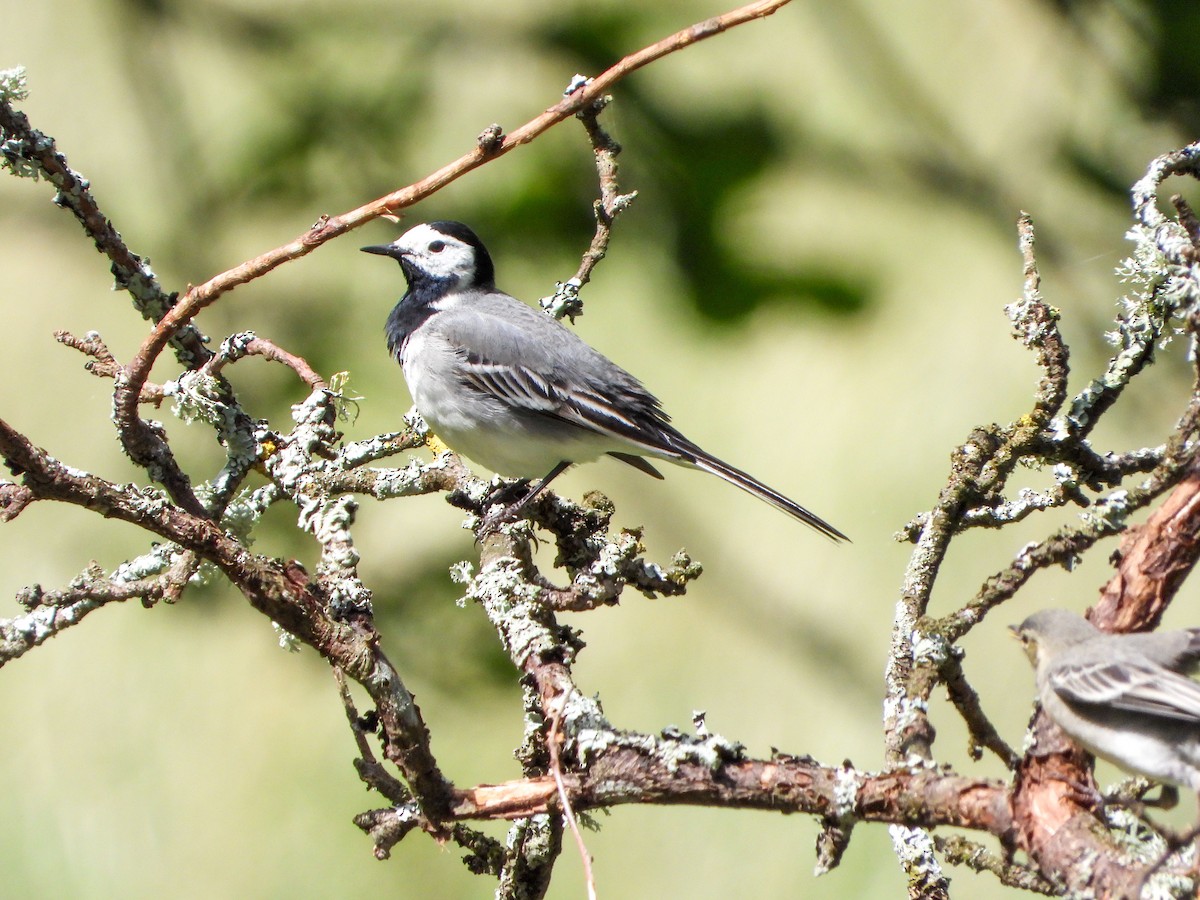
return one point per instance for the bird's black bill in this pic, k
(381, 250)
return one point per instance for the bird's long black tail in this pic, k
(661, 439)
(752, 485)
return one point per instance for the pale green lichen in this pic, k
(42, 624)
(848, 781)
(157, 561)
(1162, 291)
(148, 502)
(536, 841)
(14, 86)
(1143, 845)
(1109, 512)
(511, 604)
(397, 482)
(196, 397)
(914, 849)
(245, 511)
(344, 403)
(16, 154)
(564, 303)
(676, 748)
(287, 640)
(462, 572)
(1031, 329)
(904, 712)
(931, 649)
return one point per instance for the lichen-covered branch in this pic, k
(27, 152)
(682, 770)
(281, 591)
(159, 575)
(1052, 821)
(572, 754)
(565, 302)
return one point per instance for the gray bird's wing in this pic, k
(531, 362)
(1132, 686)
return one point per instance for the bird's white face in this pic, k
(437, 255)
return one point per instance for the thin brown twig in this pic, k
(983, 733)
(370, 770)
(13, 500)
(259, 346)
(104, 365)
(612, 202)
(552, 740)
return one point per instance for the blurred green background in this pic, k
(812, 280)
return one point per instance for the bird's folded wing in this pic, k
(524, 388)
(1129, 686)
(515, 385)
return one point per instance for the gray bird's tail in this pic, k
(752, 485)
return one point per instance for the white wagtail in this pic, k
(1124, 697)
(515, 390)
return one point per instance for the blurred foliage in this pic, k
(1167, 82)
(700, 162)
(1164, 84)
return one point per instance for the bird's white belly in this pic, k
(481, 428)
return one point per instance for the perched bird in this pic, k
(1124, 697)
(515, 390)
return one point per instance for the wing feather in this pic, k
(1130, 686)
(522, 357)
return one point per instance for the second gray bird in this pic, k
(517, 391)
(1124, 697)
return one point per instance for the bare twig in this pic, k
(565, 302)
(13, 500)
(246, 344)
(552, 740)
(983, 733)
(370, 770)
(103, 364)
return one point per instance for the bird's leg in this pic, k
(506, 493)
(493, 520)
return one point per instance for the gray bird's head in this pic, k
(1052, 630)
(447, 254)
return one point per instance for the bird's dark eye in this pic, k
(437, 246)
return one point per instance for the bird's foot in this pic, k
(503, 505)
(506, 494)
(1131, 795)
(1083, 794)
